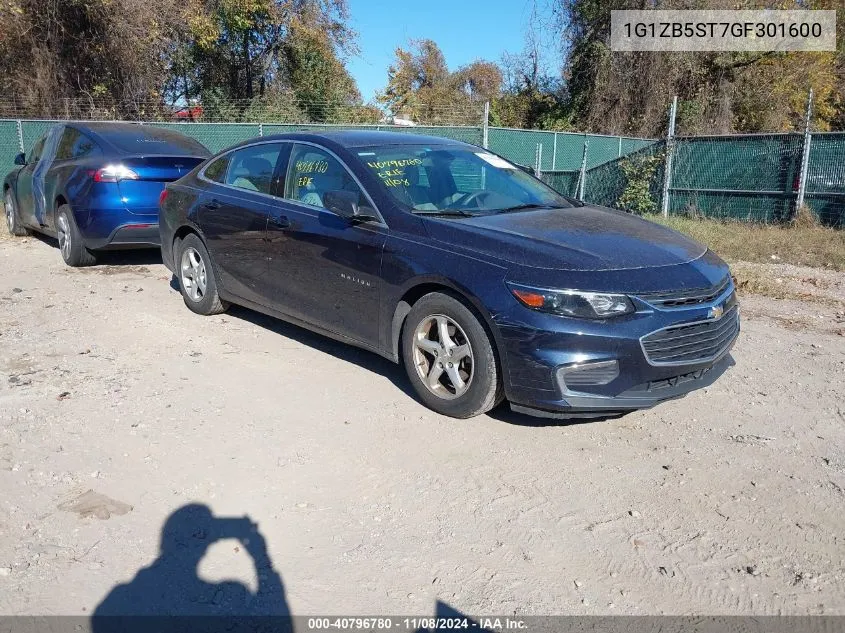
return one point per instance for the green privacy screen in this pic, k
(9, 146)
(750, 177)
(559, 151)
(747, 178)
(826, 178)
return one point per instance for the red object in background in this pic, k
(192, 113)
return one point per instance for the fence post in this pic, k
(805, 156)
(619, 153)
(554, 153)
(537, 159)
(582, 176)
(260, 129)
(485, 129)
(670, 146)
(20, 136)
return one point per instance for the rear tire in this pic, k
(13, 222)
(71, 244)
(449, 358)
(197, 282)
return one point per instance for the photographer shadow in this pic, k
(171, 585)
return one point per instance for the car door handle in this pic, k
(212, 204)
(280, 221)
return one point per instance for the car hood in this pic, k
(587, 238)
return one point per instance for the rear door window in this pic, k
(216, 171)
(312, 172)
(252, 168)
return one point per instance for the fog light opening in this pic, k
(589, 374)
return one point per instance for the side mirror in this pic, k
(346, 205)
(20, 159)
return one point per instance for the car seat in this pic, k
(254, 173)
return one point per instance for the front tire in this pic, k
(12, 220)
(449, 358)
(196, 277)
(71, 243)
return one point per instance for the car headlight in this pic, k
(573, 303)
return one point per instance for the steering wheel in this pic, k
(474, 196)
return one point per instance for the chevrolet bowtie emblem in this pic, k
(716, 313)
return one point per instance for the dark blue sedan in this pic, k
(96, 186)
(484, 282)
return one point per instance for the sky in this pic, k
(465, 30)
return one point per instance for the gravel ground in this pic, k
(729, 501)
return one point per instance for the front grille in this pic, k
(698, 342)
(685, 298)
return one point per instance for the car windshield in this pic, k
(454, 180)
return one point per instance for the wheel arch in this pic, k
(185, 229)
(422, 287)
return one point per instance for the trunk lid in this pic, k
(141, 196)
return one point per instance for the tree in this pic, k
(417, 82)
(245, 47)
(317, 76)
(531, 97)
(628, 93)
(117, 58)
(56, 57)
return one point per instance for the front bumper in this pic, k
(539, 347)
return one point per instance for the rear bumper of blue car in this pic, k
(117, 228)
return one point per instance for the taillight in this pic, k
(162, 197)
(114, 173)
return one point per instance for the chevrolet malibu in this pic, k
(481, 280)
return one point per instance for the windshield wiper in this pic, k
(525, 207)
(446, 212)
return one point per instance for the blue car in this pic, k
(481, 280)
(96, 186)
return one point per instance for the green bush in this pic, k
(639, 172)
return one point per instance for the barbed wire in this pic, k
(284, 110)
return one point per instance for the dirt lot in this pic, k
(728, 501)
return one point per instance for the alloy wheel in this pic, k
(63, 233)
(194, 278)
(10, 212)
(443, 357)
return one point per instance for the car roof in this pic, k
(112, 132)
(360, 138)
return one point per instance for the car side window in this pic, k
(216, 170)
(75, 144)
(252, 167)
(37, 149)
(312, 172)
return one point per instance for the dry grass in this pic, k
(750, 281)
(802, 244)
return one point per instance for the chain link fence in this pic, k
(539, 150)
(753, 178)
(767, 178)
